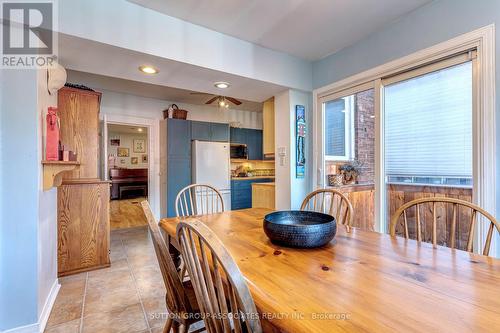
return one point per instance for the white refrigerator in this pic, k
(211, 166)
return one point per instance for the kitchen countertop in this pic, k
(253, 177)
(264, 184)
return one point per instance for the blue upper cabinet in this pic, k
(204, 131)
(179, 138)
(250, 137)
(238, 135)
(219, 132)
(254, 144)
(200, 130)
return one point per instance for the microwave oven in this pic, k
(239, 151)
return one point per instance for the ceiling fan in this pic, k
(222, 101)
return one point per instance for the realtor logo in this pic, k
(28, 38)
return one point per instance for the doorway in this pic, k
(127, 167)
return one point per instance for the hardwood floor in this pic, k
(126, 213)
(127, 297)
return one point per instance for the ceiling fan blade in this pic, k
(212, 100)
(233, 100)
(199, 93)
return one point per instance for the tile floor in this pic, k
(127, 297)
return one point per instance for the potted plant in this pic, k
(350, 171)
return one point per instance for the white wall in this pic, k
(127, 141)
(282, 137)
(136, 106)
(290, 191)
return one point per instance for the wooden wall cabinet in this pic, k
(82, 199)
(268, 128)
(78, 111)
(83, 226)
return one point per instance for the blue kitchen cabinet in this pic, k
(219, 132)
(254, 144)
(250, 137)
(205, 131)
(179, 138)
(200, 130)
(179, 176)
(241, 192)
(178, 160)
(238, 135)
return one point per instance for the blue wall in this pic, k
(431, 24)
(19, 198)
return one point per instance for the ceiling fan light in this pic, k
(221, 85)
(222, 103)
(227, 106)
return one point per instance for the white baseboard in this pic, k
(47, 308)
(33, 328)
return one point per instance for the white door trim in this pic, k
(153, 126)
(485, 158)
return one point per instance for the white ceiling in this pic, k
(143, 89)
(310, 29)
(88, 56)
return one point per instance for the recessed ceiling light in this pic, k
(148, 69)
(139, 129)
(222, 85)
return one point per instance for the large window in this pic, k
(428, 128)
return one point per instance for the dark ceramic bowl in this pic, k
(300, 229)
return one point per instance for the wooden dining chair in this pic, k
(220, 288)
(198, 199)
(329, 201)
(457, 204)
(182, 306)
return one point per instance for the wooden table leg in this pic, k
(174, 253)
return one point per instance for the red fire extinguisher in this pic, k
(52, 140)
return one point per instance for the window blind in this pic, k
(335, 127)
(428, 124)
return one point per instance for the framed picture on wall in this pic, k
(115, 142)
(300, 131)
(123, 152)
(144, 158)
(139, 146)
(134, 160)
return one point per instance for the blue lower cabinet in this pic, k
(241, 192)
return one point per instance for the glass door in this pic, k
(349, 149)
(428, 125)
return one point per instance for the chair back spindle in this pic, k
(198, 199)
(456, 205)
(221, 291)
(177, 299)
(329, 201)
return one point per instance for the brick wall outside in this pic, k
(364, 127)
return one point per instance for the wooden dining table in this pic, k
(362, 281)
